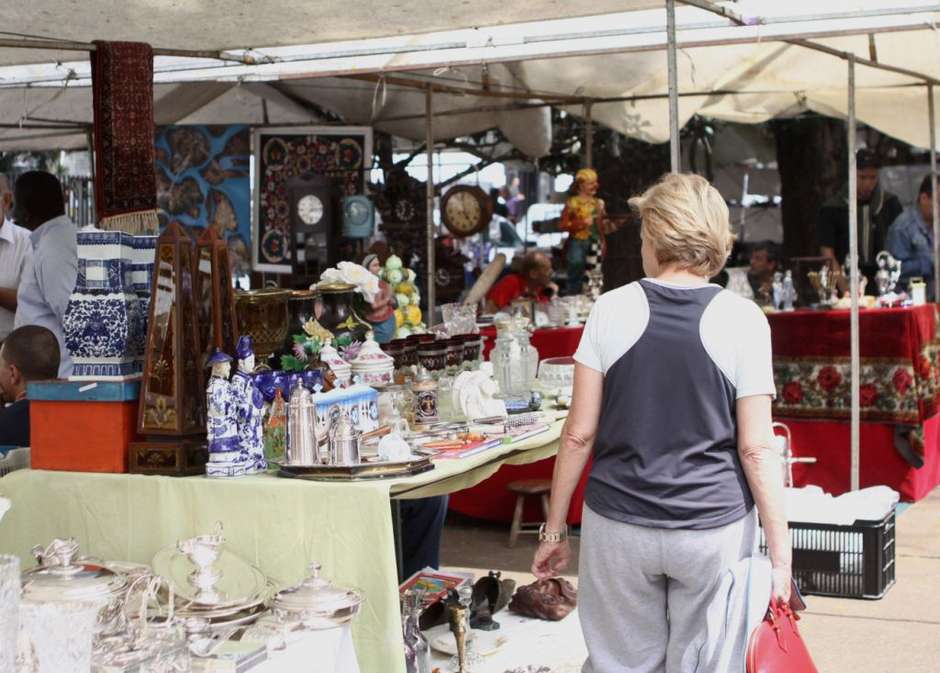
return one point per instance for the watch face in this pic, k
(463, 212)
(310, 209)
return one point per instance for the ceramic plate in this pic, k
(486, 642)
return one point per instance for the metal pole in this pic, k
(588, 136)
(933, 189)
(854, 279)
(429, 115)
(674, 158)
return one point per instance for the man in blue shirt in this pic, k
(910, 240)
(49, 280)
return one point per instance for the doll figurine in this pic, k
(381, 313)
(221, 422)
(250, 405)
(583, 219)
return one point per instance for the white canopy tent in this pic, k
(625, 70)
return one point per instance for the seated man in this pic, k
(29, 353)
(910, 240)
(533, 280)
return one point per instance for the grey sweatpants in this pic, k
(643, 593)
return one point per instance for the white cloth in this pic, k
(15, 251)
(734, 333)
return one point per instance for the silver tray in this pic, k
(375, 470)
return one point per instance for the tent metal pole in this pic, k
(674, 159)
(588, 136)
(854, 264)
(429, 206)
(933, 188)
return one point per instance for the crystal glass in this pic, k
(56, 637)
(459, 318)
(9, 610)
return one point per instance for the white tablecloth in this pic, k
(529, 642)
(328, 651)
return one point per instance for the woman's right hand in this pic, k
(550, 559)
(781, 582)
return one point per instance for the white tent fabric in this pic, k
(235, 24)
(736, 79)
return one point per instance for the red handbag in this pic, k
(776, 645)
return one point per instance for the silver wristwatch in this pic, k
(559, 536)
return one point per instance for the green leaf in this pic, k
(289, 363)
(300, 338)
(344, 340)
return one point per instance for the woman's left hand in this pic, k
(551, 558)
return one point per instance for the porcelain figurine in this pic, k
(250, 404)
(221, 426)
(583, 218)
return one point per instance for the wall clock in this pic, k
(466, 210)
(313, 227)
(358, 217)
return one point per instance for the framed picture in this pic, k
(342, 153)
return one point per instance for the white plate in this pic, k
(486, 642)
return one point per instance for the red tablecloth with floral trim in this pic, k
(900, 364)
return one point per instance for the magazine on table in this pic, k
(435, 584)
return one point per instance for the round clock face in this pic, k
(357, 212)
(463, 213)
(404, 211)
(310, 209)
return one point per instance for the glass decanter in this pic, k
(417, 651)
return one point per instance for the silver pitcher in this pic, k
(344, 442)
(302, 447)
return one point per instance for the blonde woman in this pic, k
(672, 393)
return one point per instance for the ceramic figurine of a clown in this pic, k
(583, 219)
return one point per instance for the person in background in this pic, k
(764, 263)
(382, 313)
(49, 278)
(877, 209)
(910, 240)
(15, 251)
(29, 353)
(533, 280)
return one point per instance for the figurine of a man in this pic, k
(250, 405)
(221, 426)
(583, 219)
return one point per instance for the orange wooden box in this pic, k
(88, 435)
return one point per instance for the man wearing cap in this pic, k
(582, 219)
(877, 209)
(249, 403)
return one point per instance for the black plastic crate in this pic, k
(854, 561)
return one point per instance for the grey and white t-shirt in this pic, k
(674, 360)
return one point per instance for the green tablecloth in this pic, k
(280, 525)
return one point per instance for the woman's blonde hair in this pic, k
(685, 219)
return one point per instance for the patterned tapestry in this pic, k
(203, 180)
(341, 153)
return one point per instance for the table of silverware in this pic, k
(197, 607)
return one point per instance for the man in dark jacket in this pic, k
(29, 353)
(877, 209)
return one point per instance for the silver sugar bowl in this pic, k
(344, 442)
(316, 603)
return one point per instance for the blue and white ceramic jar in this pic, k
(105, 323)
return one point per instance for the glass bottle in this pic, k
(425, 397)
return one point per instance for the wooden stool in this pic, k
(523, 489)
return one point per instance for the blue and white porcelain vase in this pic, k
(105, 323)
